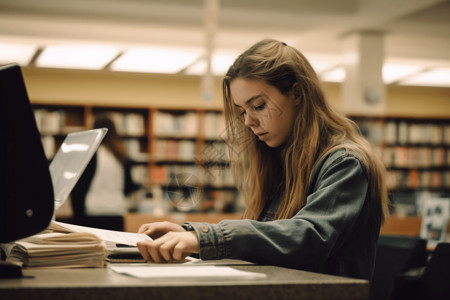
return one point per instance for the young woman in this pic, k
(314, 188)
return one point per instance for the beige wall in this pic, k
(418, 101)
(53, 86)
(114, 88)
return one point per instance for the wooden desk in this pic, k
(103, 283)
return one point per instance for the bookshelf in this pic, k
(416, 152)
(178, 154)
(188, 160)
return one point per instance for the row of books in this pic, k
(214, 152)
(403, 132)
(415, 179)
(54, 122)
(187, 125)
(214, 126)
(417, 133)
(128, 124)
(212, 175)
(175, 150)
(182, 125)
(411, 157)
(185, 150)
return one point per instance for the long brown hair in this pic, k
(261, 171)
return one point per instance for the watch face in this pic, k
(184, 191)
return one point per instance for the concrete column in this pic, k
(363, 90)
(211, 21)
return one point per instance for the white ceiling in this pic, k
(417, 30)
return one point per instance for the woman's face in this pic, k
(267, 112)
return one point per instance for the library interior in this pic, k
(153, 71)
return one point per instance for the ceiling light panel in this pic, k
(156, 60)
(438, 77)
(323, 62)
(394, 72)
(334, 75)
(17, 53)
(92, 57)
(220, 63)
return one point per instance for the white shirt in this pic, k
(105, 195)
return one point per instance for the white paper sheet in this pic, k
(119, 237)
(185, 272)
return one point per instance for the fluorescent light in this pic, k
(395, 72)
(156, 59)
(334, 75)
(16, 53)
(323, 62)
(439, 77)
(92, 57)
(219, 64)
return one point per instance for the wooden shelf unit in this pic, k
(162, 142)
(416, 152)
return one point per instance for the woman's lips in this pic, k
(261, 135)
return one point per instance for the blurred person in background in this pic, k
(99, 199)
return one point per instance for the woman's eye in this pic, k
(242, 113)
(260, 107)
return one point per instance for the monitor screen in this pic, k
(26, 191)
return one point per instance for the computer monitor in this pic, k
(26, 191)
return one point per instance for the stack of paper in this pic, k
(59, 250)
(109, 236)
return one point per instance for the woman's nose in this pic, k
(250, 120)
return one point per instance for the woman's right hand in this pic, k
(158, 229)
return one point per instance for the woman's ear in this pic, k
(295, 93)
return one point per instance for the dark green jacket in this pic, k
(335, 233)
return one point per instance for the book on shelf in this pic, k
(64, 245)
(372, 130)
(134, 124)
(185, 125)
(50, 121)
(214, 125)
(412, 157)
(183, 150)
(402, 137)
(446, 135)
(390, 132)
(131, 124)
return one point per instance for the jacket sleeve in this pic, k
(309, 237)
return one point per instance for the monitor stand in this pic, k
(10, 270)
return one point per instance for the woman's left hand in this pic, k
(172, 246)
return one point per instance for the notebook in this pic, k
(71, 159)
